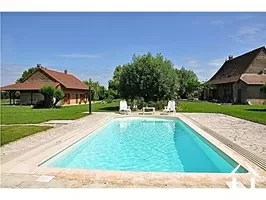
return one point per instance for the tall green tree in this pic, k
(150, 77)
(188, 83)
(98, 91)
(113, 84)
(25, 74)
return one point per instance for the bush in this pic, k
(159, 105)
(39, 104)
(109, 100)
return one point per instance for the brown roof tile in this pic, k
(67, 80)
(27, 86)
(232, 69)
(253, 79)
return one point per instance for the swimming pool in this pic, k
(145, 144)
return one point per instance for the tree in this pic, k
(25, 74)
(188, 83)
(204, 90)
(114, 83)
(58, 95)
(98, 91)
(263, 89)
(4, 95)
(150, 77)
(49, 93)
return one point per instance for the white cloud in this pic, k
(204, 70)
(11, 72)
(254, 34)
(73, 55)
(217, 22)
(216, 62)
(192, 62)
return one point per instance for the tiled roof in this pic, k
(231, 79)
(232, 69)
(253, 79)
(28, 86)
(67, 80)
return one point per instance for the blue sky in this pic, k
(91, 45)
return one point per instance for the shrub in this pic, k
(58, 95)
(39, 104)
(49, 93)
(109, 100)
(140, 103)
(159, 105)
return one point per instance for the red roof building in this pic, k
(75, 90)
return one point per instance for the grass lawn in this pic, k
(23, 115)
(12, 133)
(255, 113)
(27, 115)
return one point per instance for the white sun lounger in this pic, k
(124, 109)
(170, 107)
(167, 108)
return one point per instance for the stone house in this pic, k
(76, 92)
(240, 79)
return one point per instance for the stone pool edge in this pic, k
(29, 163)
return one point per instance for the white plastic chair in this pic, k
(172, 107)
(167, 108)
(123, 108)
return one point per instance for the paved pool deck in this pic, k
(20, 160)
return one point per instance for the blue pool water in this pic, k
(145, 144)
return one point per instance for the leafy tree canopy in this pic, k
(50, 92)
(25, 74)
(113, 84)
(150, 77)
(98, 91)
(188, 81)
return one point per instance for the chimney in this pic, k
(39, 65)
(230, 57)
(65, 71)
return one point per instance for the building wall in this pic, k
(253, 92)
(243, 91)
(224, 92)
(39, 76)
(73, 98)
(248, 93)
(258, 64)
(25, 98)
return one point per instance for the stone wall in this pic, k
(257, 101)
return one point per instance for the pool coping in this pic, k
(29, 163)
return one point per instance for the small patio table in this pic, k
(148, 108)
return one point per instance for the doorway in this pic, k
(67, 99)
(77, 98)
(239, 96)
